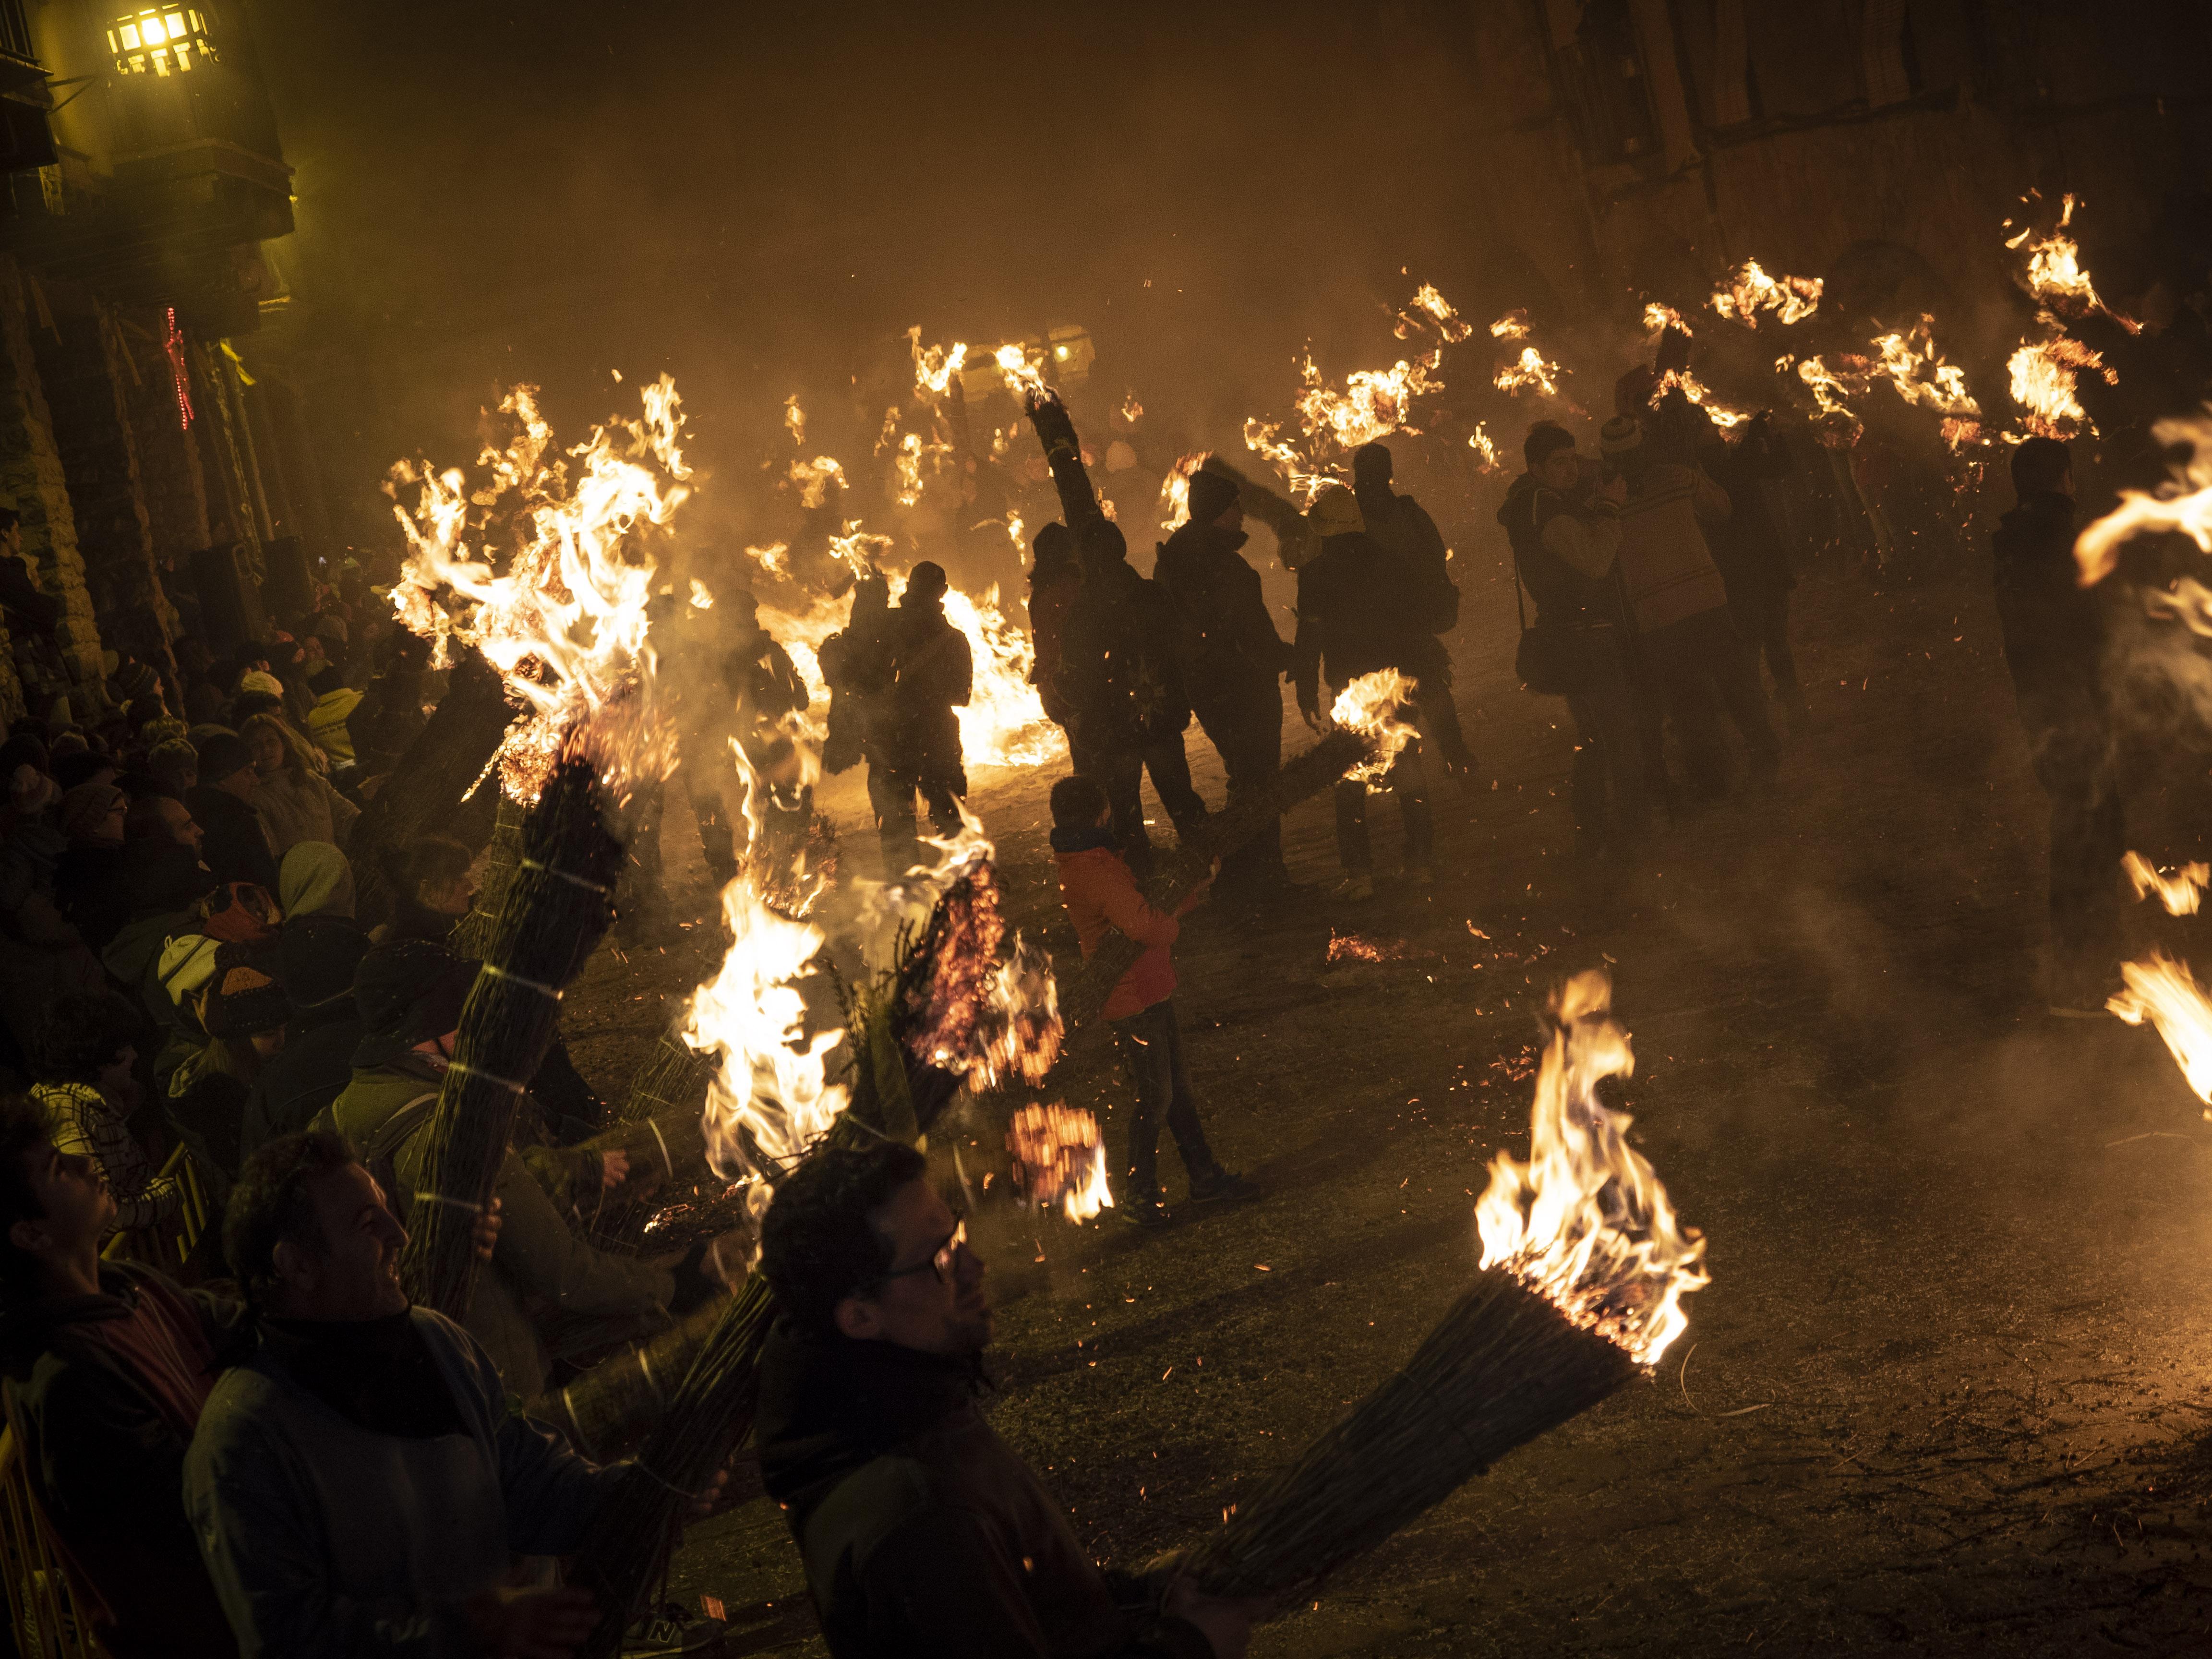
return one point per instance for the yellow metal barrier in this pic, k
(168, 1245)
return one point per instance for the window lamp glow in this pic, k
(160, 39)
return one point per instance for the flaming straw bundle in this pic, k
(1583, 1271)
(557, 907)
(1060, 1159)
(2165, 993)
(893, 1093)
(2181, 893)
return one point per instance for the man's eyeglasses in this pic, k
(941, 1260)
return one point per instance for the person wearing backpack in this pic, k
(1121, 684)
(1401, 530)
(1564, 529)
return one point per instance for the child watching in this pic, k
(1100, 893)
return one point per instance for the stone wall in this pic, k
(32, 480)
(86, 369)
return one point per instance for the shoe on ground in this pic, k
(1144, 1210)
(1224, 1185)
(670, 1629)
(1357, 887)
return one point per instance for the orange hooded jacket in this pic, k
(1100, 893)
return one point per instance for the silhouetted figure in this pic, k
(934, 677)
(2054, 636)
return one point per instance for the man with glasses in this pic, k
(922, 1533)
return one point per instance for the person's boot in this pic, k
(1143, 1206)
(1221, 1184)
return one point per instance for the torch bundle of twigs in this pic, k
(1585, 1265)
(1503, 1367)
(557, 907)
(605, 1412)
(471, 937)
(895, 1092)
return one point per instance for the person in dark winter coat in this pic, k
(1055, 579)
(2054, 639)
(108, 1366)
(1357, 609)
(318, 955)
(935, 676)
(360, 1485)
(1753, 553)
(1564, 531)
(923, 1535)
(860, 667)
(1121, 684)
(1237, 661)
(1401, 530)
(222, 803)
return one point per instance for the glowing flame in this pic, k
(2181, 893)
(701, 600)
(1023, 370)
(1132, 410)
(1373, 706)
(1175, 489)
(565, 622)
(1722, 415)
(1486, 455)
(774, 558)
(2182, 504)
(1917, 369)
(907, 463)
(1513, 325)
(2165, 993)
(814, 478)
(1827, 388)
(2044, 384)
(1658, 318)
(2054, 272)
(770, 1098)
(794, 420)
(933, 369)
(1530, 372)
(1061, 1159)
(1585, 1222)
(1430, 309)
(1742, 296)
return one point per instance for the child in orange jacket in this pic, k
(1100, 893)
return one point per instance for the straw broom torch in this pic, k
(1583, 1269)
(557, 907)
(897, 1092)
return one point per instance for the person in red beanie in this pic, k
(1100, 894)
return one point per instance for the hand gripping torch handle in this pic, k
(1063, 454)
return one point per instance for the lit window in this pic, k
(156, 39)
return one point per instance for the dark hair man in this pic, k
(360, 1485)
(921, 743)
(2054, 639)
(1120, 688)
(923, 1534)
(1237, 665)
(108, 1365)
(1401, 530)
(1564, 530)
(1101, 894)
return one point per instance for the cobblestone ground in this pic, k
(1948, 1391)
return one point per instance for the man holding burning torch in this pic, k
(923, 1534)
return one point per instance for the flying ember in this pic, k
(1060, 1159)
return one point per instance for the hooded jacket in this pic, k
(1100, 892)
(924, 1537)
(1219, 591)
(1357, 612)
(327, 723)
(107, 1390)
(541, 1273)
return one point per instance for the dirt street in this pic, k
(1947, 1391)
